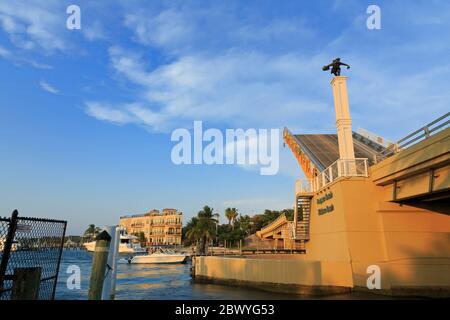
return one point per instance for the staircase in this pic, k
(300, 227)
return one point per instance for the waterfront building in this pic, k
(159, 227)
(369, 215)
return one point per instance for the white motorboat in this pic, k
(128, 244)
(162, 256)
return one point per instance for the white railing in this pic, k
(340, 168)
(303, 186)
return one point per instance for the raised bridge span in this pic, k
(414, 171)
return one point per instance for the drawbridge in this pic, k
(414, 171)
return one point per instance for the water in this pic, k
(161, 282)
(151, 282)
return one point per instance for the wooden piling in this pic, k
(26, 283)
(99, 265)
(193, 266)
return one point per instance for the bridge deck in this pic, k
(323, 149)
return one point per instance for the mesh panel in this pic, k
(37, 243)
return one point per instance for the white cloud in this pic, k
(264, 71)
(4, 53)
(275, 29)
(34, 24)
(94, 31)
(238, 88)
(47, 87)
(107, 113)
(184, 27)
(38, 65)
(166, 28)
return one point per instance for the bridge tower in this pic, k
(343, 118)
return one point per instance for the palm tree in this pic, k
(192, 230)
(206, 226)
(90, 232)
(245, 224)
(231, 214)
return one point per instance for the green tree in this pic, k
(223, 232)
(91, 232)
(231, 214)
(191, 231)
(141, 238)
(245, 224)
(289, 213)
(228, 215)
(207, 224)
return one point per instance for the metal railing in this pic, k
(423, 133)
(340, 168)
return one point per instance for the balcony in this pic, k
(340, 168)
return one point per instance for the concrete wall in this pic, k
(410, 245)
(287, 273)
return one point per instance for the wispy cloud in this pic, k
(94, 31)
(41, 25)
(4, 53)
(251, 65)
(239, 88)
(34, 24)
(7, 54)
(47, 87)
(123, 114)
(38, 65)
(222, 68)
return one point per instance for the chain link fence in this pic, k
(30, 242)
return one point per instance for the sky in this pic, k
(86, 115)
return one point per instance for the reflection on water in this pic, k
(159, 282)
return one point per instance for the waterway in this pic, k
(159, 282)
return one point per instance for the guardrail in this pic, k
(423, 133)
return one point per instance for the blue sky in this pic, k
(86, 115)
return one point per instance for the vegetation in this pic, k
(231, 214)
(141, 238)
(91, 232)
(204, 228)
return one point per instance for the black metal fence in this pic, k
(30, 242)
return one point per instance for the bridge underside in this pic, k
(433, 204)
(418, 176)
